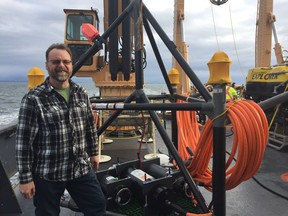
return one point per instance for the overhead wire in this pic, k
(233, 35)
(215, 31)
(234, 40)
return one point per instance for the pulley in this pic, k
(218, 2)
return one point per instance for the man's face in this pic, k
(59, 65)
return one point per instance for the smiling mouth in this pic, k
(62, 72)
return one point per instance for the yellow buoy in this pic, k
(174, 76)
(35, 77)
(219, 67)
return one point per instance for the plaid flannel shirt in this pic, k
(55, 139)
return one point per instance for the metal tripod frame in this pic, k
(142, 16)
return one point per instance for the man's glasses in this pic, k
(58, 61)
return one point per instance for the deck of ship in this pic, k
(266, 194)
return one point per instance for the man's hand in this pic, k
(27, 190)
(94, 162)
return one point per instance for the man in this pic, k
(56, 141)
(231, 93)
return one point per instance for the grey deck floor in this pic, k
(247, 199)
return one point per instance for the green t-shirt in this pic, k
(64, 92)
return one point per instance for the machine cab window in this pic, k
(74, 25)
(74, 38)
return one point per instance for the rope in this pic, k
(250, 138)
(233, 35)
(234, 41)
(212, 11)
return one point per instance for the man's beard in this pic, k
(61, 75)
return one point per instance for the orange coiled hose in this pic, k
(250, 138)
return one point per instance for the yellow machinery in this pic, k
(113, 65)
(265, 81)
(111, 68)
(178, 37)
(97, 67)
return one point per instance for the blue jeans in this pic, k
(85, 191)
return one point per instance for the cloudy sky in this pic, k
(28, 27)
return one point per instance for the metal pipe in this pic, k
(171, 148)
(108, 122)
(188, 99)
(202, 106)
(126, 43)
(113, 40)
(179, 58)
(115, 100)
(157, 55)
(273, 101)
(100, 40)
(138, 44)
(174, 127)
(219, 151)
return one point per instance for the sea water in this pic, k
(11, 94)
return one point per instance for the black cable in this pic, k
(232, 132)
(263, 186)
(268, 189)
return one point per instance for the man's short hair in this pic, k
(58, 46)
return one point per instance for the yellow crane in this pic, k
(265, 80)
(98, 66)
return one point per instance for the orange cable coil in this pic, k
(250, 139)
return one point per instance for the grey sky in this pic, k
(28, 27)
